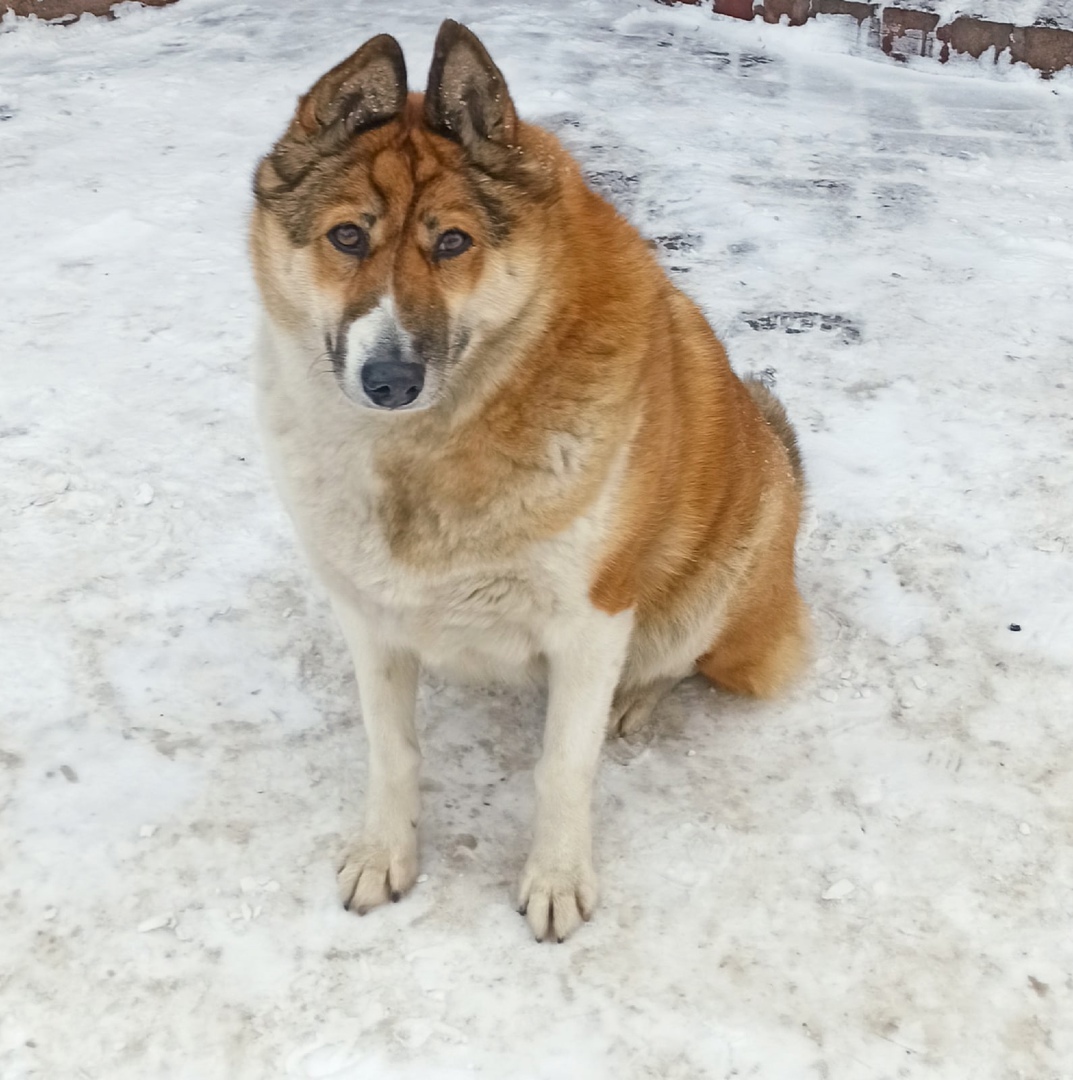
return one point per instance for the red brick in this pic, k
(1042, 47)
(973, 36)
(736, 9)
(904, 28)
(67, 9)
(844, 7)
(797, 11)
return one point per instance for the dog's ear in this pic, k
(364, 91)
(467, 98)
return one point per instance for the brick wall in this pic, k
(67, 10)
(916, 29)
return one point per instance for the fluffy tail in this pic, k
(772, 411)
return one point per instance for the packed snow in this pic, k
(872, 878)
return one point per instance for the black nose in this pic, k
(392, 383)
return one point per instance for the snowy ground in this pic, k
(870, 879)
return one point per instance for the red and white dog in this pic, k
(510, 446)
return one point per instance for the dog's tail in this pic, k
(772, 411)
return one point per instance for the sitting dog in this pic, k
(510, 446)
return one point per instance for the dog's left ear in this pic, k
(467, 98)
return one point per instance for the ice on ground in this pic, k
(840, 890)
(892, 247)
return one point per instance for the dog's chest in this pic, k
(478, 611)
(474, 582)
(477, 620)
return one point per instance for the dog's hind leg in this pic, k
(763, 647)
(632, 708)
(763, 643)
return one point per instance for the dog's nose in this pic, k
(392, 383)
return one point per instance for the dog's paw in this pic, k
(632, 721)
(631, 713)
(375, 871)
(556, 896)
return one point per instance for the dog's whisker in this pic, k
(322, 364)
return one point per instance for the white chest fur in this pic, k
(477, 619)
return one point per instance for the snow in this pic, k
(840, 890)
(180, 753)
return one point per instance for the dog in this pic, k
(510, 447)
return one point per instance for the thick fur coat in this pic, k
(510, 446)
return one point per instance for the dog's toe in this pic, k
(374, 873)
(557, 900)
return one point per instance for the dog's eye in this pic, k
(451, 243)
(350, 239)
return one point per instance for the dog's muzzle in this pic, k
(378, 363)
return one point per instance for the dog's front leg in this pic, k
(382, 863)
(585, 660)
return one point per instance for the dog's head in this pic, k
(390, 231)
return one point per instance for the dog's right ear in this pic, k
(364, 91)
